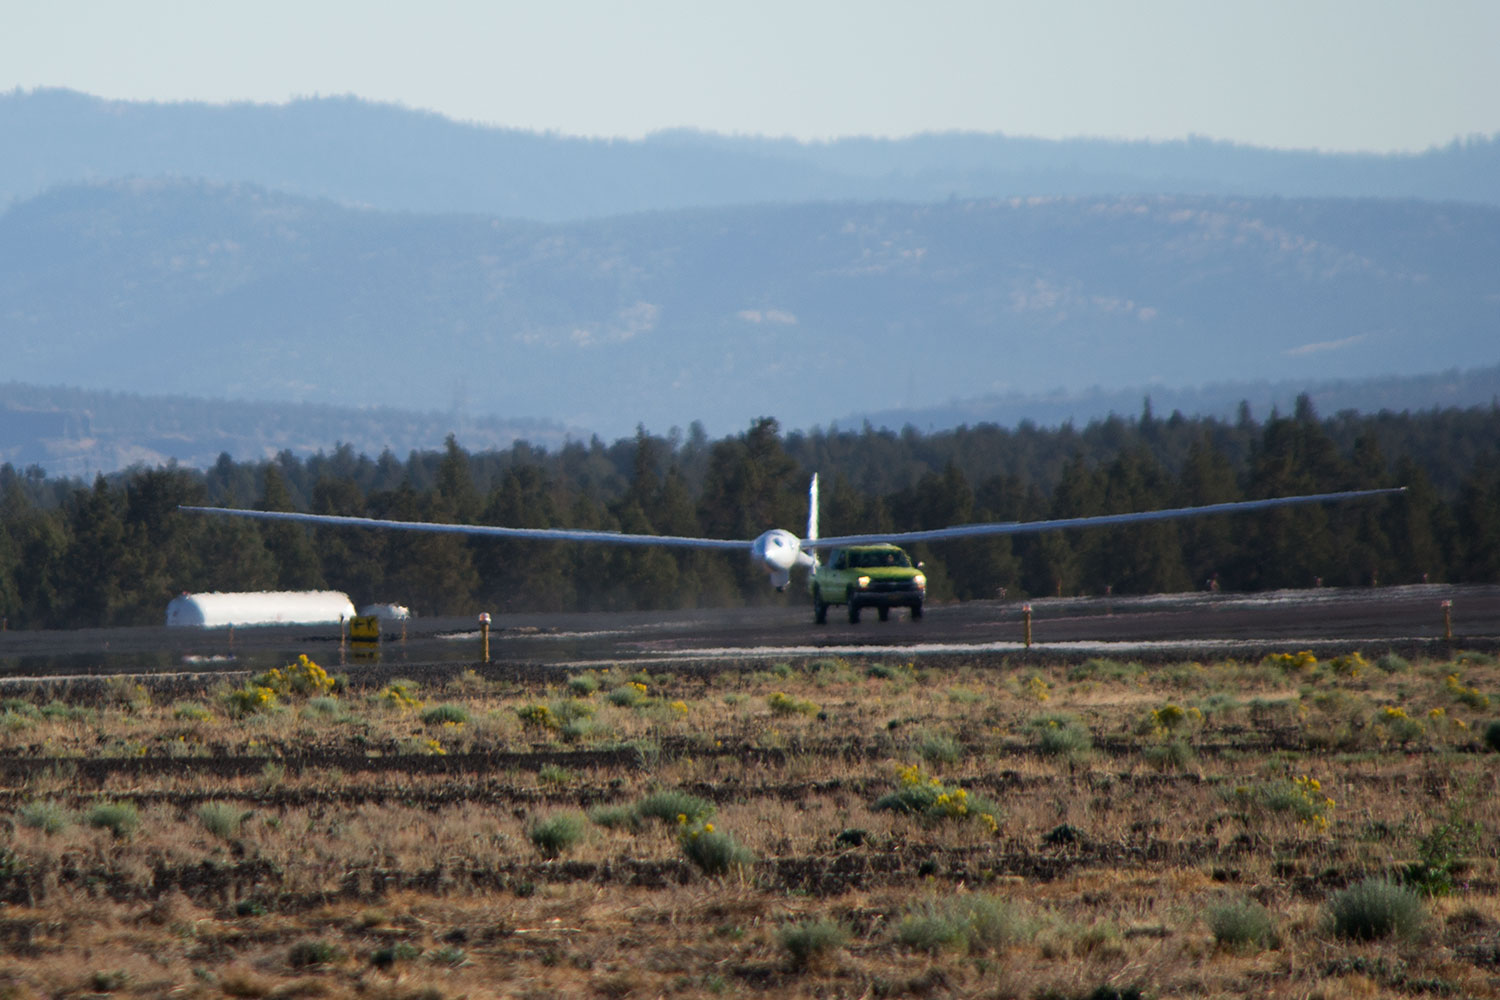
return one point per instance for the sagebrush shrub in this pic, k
(557, 834)
(1376, 908)
(629, 695)
(48, 817)
(1062, 736)
(938, 748)
(971, 923)
(782, 703)
(1242, 925)
(713, 852)
(446, 714)
(120, 818)
(222, 819)
(674, 806)
(810, 941)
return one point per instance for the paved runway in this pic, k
(1162, 627)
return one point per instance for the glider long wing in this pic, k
(678, 541)
(486, 530)
(1095, 521)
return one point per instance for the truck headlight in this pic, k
(863, 582)
(920, 580)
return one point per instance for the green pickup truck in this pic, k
(867, 576)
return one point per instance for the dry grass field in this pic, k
(816, 828)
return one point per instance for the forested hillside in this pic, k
(115, 551)
(812, 311)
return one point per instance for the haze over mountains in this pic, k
(341, 253)
(382, 156)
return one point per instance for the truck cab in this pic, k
(867, 576)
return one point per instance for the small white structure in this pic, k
(386, 612)
(264, 607)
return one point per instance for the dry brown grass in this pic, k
(385, 879)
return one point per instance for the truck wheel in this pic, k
(885, 613)
(916, 611)
(820, 608)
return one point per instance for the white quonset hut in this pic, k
(264, 607)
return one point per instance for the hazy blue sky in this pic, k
(1330, 74)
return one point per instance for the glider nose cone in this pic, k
(778, 550)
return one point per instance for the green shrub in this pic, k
(615, 817)
(1392, 663)
(324, 707)
(673, 807)
(557, 834)
(628, 695)
(1440, 853)
(580, 730)
(568, 710)
(1374, 909)
(1173, 755)
(554, 774)
(48, 817)
(1062, 736)
(445, 714)
(713, 852)
(189, 711)
(582, 685)
(782, 703)
(120, 818)
(938, 748)
(222, 819)
(970, 923)
(1242, 926)
(58, 711)
(811, 941)
(893, 672)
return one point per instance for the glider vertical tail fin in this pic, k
(812, 512)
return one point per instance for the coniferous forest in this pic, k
(115, 551)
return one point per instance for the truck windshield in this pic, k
(875, 559)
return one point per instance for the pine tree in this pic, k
(296, 560)
(94, 568)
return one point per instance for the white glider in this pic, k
(778, 550)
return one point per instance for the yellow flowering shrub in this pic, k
(302, 679)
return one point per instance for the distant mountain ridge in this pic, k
(384, 156)
(76, 432)
(808, 312)
(1478, 387)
